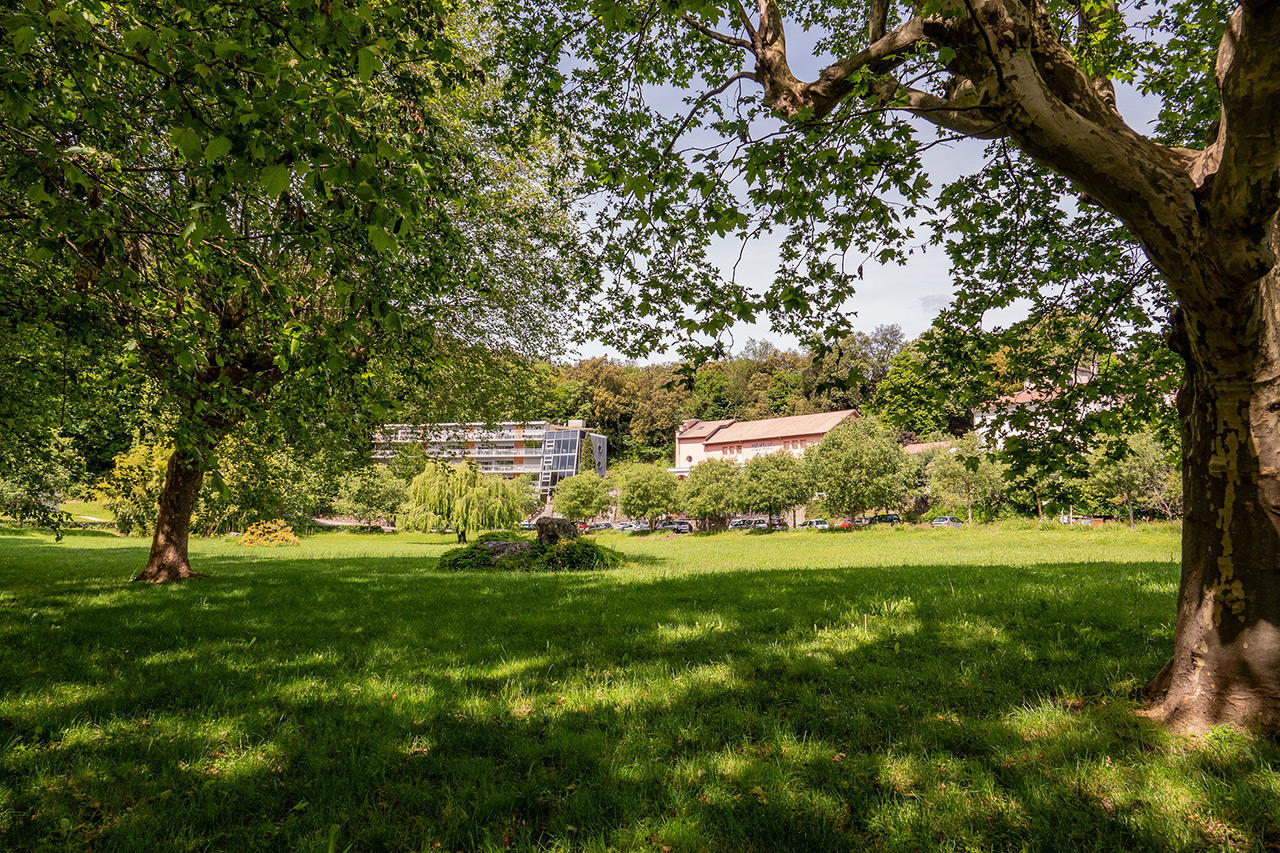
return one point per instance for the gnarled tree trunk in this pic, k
(168, 560)
(1226, 661)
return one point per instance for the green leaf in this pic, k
(138, 39)
(24, 39)
(275, 180)
(368, 62)
(217, 148)
(187, 142)
(382, 241)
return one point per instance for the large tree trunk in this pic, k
(1226, 662)
(168, 560)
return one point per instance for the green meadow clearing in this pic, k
(886, 689)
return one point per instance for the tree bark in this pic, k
(1226, 661)
(168, 560)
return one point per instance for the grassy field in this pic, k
(88, 509)
(884, 689)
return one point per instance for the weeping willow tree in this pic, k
(460, 497)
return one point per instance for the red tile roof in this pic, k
(818, 424)
(702, 429)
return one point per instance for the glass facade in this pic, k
(560, 452)
(547, 452)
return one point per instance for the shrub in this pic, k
(269, 534)
(575, 555)
(578, 555)
(132, 489)
(471, 558)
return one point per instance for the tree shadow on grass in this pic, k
(849, 709)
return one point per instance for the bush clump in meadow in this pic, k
(578, 555)
(471, 558)
(574, 555)
(269, 534)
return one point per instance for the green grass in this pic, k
(88, 509)
(903, 689)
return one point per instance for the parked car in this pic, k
(816, 524)
(681, 527)
(946, 521)
(887, 518)
(740, 524)
(600, 525)
(528, 525)
(763, 524)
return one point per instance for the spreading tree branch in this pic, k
(706, 96)
(967, 120)
(878, 20)
(1245, 193)
(733, 41)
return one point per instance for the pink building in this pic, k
(697, 441)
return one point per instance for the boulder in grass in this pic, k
(554, 530)
(501, 549)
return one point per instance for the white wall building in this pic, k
(546, 451)
(697, 441)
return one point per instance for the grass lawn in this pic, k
(886, 689)
(88, 509)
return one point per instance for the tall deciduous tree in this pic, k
(915, 395)
(859, 465)
(229, 184)
(773, 483)
(647, 491)
(371, 494)
(965, 475)
(265, 201)
(1135, 471)
(1200, 196)
(710, 491)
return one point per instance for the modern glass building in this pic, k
(546, 451)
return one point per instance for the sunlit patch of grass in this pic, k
(876, 690)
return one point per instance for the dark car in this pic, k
(887, 518)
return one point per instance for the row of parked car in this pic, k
(764, 524)
(883, 518)
(757, 524)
